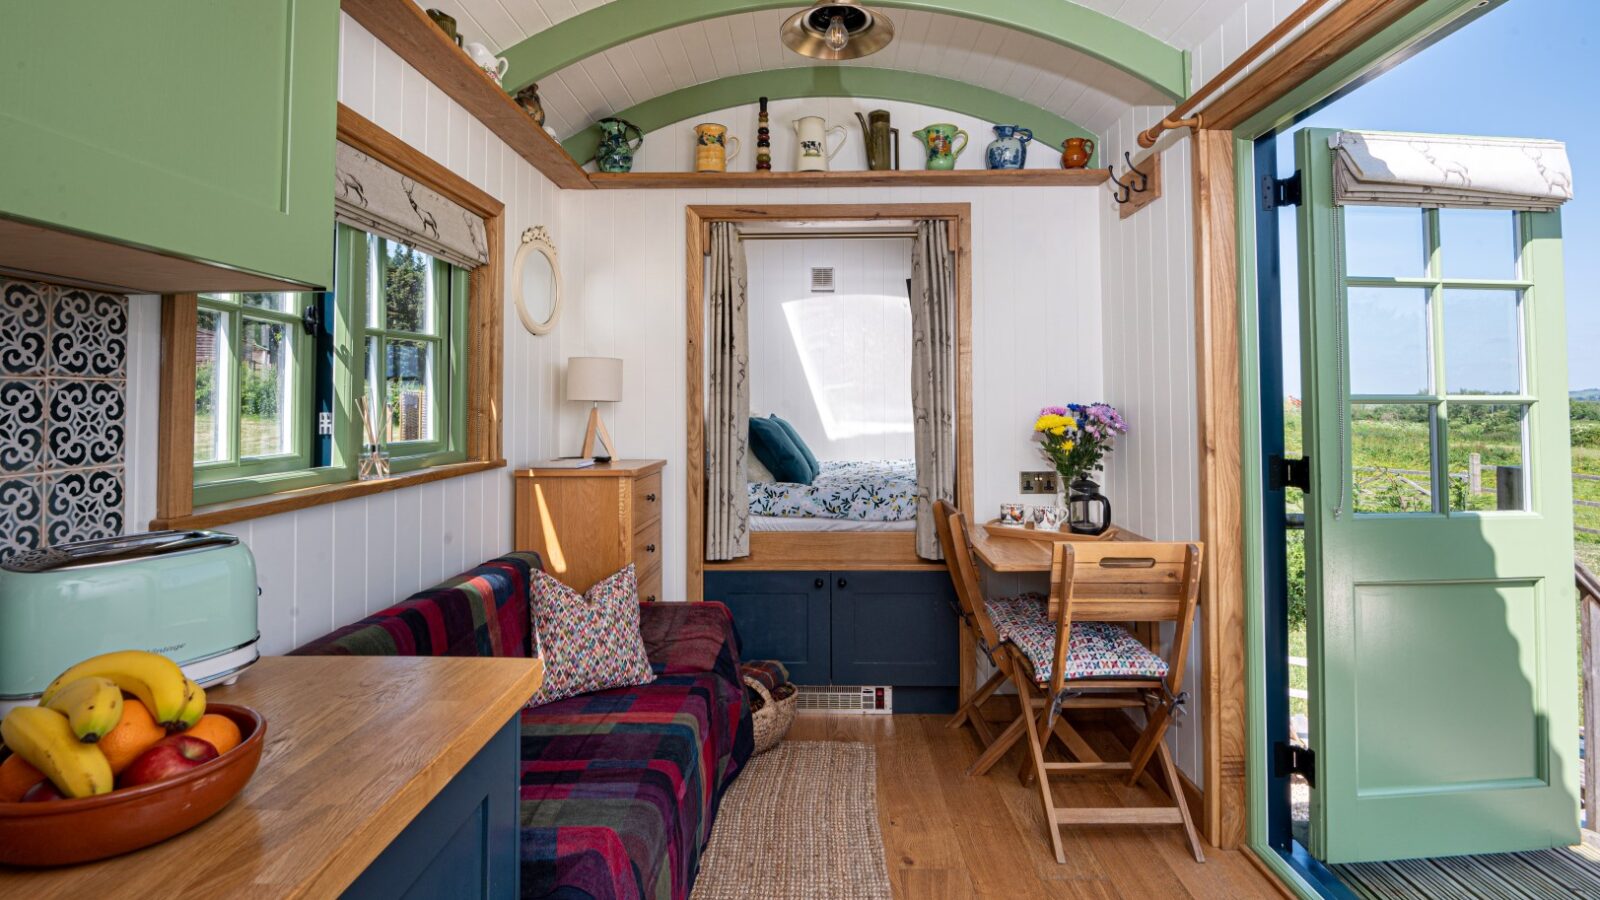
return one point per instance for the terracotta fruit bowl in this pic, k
(62, 832)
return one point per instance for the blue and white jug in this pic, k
(1010, 147)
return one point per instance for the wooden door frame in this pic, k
(803, 550)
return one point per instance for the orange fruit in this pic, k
(218, 731)
(16, 776)
(135, 733)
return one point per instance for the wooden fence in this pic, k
(1473, 478)
(1589, 625)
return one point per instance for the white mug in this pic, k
(495, 66)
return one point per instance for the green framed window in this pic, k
(278, 375)
(1437, 358)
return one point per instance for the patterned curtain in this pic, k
(933, 375)
(728, 403)
(370, 196)
(1436, 170)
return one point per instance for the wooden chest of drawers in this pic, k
(588, 523)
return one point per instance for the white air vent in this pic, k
(822, 279)
(846, 700)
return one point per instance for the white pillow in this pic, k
(757, 473)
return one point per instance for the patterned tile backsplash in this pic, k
(63, 414)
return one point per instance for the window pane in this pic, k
(1391, 457)
(1389, 341)
(377, 409)
(265, 385)
(407, 290)
(1385, 242)
(1478, 243)
(210, 387)
(1487, 468)
(277, 302)
(409, 385)
(1482, 342)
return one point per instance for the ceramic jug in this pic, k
(494, 66)
(1076, 152)
(811, 151)
(880, 138)
(940, 143)
(710, 151)
(1009, 150)
(616, 150)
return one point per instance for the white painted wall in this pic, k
(670, 148)
(864, 327)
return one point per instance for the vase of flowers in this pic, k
(1076, 438)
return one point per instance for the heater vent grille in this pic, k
(822, 279)
(846, 700)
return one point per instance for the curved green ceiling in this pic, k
(1160, 65)
(835, 81)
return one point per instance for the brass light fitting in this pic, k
(835, 31)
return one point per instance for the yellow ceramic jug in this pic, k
(710, 150)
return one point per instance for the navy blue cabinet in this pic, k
(877, 628)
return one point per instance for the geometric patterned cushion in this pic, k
(1098, 649)
(589, 642)
(481, 612)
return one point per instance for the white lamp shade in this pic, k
(594, 378)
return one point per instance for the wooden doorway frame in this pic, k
(803, 550)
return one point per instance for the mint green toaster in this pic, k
(190, 595)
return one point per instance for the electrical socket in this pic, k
(1038, 482)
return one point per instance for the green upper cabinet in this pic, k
(201, 131)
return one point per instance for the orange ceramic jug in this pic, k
(1076, 152)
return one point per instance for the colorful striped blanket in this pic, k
(618, 788)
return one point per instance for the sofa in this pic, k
(619, 788)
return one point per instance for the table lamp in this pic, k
(596, 379)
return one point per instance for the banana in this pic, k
(194, 707)
(93, 706)
(44, 738)
(154, 679)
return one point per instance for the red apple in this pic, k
(169, 757)
(42, 791)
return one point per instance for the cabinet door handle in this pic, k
(649, 548)
(843, 584)
(819, 584)
(649, 498)
(650, 599)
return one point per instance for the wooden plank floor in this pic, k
(949, 836)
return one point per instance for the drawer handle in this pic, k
(649, 498)
(650, 599)
(649, 548)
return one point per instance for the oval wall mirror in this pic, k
(536, 278)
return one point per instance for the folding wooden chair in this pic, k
(974, 618)
(1078, 658)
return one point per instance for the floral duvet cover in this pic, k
(872, 490)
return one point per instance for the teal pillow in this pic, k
(771, 444)
(800, 442)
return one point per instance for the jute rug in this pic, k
(1561, 873)
(801, 823)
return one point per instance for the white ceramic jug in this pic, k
(812, 153)
(495, 66)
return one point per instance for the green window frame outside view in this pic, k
(359, 314)
(1444, 388)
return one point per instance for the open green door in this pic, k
(1442, 643)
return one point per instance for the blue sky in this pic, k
(1526, 69)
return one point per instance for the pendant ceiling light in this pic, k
(837, 31)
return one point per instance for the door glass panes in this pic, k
(1389, 341)
(211, 379)
(1478, 243)
(277, 302)
(1487, 463)
(1385, 242)
(1482, 342)
(408, 377)
(407, 289)
(265, 379)
(1391, 457)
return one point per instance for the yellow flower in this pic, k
(1053, 424)
(1059, 430)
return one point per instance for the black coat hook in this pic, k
(1142, 184)
(1120, 192)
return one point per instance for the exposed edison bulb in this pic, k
(837, 36)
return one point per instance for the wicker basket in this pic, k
(775, 713)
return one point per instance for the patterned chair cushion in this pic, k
(483, 612)
(590, 642)
(1097, 649)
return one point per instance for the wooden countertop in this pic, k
(1008, 554)
(356, 747)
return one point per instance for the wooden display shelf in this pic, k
(404, 28)
(902, 178)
